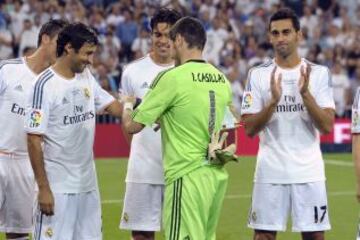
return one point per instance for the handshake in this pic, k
(217, 154)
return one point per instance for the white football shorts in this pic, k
(76, 216)
(142, 209)
(306, 202)
(17, 194)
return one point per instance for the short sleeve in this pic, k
(102, 97)
(38, 107)
(3, 83)
(355, 116)
(126, 84)
(325, 96)
(157, 100)
(252, 101)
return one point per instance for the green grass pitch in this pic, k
(232, 226)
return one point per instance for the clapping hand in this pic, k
(275, 86)
(304, 79)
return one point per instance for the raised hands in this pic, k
(275, 86)
(304, 79)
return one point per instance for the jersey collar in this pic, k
(196, 60)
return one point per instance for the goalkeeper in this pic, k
(190, 101)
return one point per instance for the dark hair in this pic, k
(191, 30)
(286, 13)
(51, 28)
(164, 15)
(77, 34)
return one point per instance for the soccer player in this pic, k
(17, 185)
(189, 101)
(287, 102)
(145, 176)
(61, 115)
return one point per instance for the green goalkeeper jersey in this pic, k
(189, 101)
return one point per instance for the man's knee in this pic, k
(313, 235)
(143, 235)
(264, 235)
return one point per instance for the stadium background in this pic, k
(236, 41)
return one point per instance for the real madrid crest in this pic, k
(126, 217)
(253, 216)
(49, 232)
(87, 92)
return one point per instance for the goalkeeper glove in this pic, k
(217, 155)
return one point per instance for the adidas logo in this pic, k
(65, 101)
(19, 88)
(145, 85)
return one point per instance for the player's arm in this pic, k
(323, 118)
(46, 199)
(255, 122)
(356, 159)
(104, 101)
(355, 130)
(36, 121)
(126, 89)
(160, 96)
(129, 125)
(115, 109)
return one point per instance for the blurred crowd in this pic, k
(236, 31)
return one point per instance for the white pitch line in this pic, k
(237, 196)
(339, 163)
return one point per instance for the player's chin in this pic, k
(80, 69)
(164, 54)
(283, 51)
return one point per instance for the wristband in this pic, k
(128, 106)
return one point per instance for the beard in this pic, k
(284, 52)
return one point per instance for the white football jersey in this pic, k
(145, 161)
(63, 111)
(355, 116)
(16, 79)
(289, 150)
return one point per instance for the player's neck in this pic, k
(161, 60)
(290, 61)
(38, 61)
(190, 55)
(62, 67)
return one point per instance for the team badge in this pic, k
(49, 232)
(35, 118)
(126, 217)
(247, 100)
(355, 118)
(87, 92)
(253, 216)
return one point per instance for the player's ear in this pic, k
(68, 48)
(269, 37)
(45, 39)
(299, 35)
(179, 40)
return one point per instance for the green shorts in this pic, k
(193, 204)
